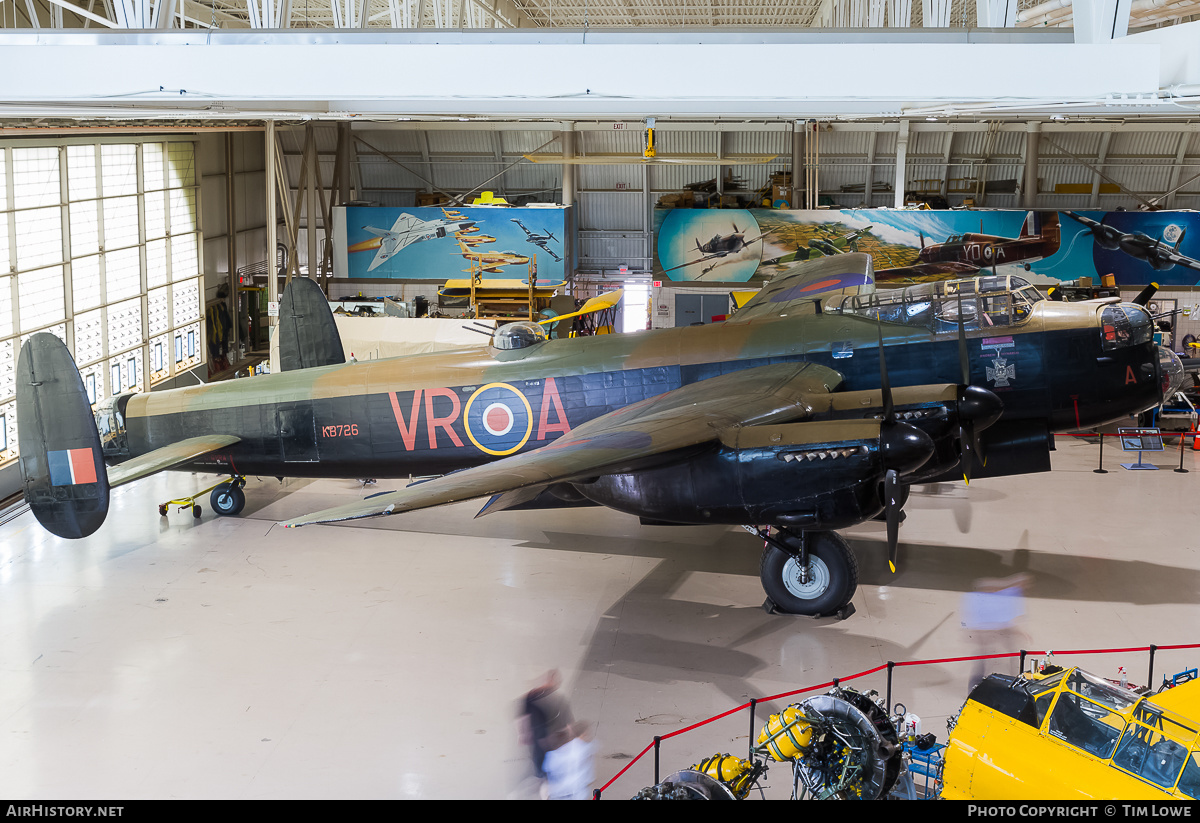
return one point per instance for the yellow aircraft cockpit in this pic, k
(993, 301)
(1072, 735)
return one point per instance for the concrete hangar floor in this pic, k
(233, 658)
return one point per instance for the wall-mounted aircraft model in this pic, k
(408, 230)
(1159, 255)
(783, 417)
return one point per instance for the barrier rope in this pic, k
(1023, 653)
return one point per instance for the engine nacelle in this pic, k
(773, 475)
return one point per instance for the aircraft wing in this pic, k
(703, 259)
(927, 272)
(634, 437)
(1177, 258)
(797, 286)
(168, 457)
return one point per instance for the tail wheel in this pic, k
(823, 587)
(228, 499)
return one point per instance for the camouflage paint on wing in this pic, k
(620, 441)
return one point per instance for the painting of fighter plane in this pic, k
(425, 242)
(491, 262)
(965, 255)
(542, 240)
(407, 229)
(1161, 254)
(726, 255)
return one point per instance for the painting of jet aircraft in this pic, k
(423, 243)
(542, 240)
(407, 229)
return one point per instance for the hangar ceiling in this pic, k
(505, 14)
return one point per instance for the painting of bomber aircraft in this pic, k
(809, 410)
(1136, 248)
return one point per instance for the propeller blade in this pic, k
(1145, 294)
(891, 490)
(964, 360)
(889, 410)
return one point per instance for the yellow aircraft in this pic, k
(491, 262)
(474, 240)
(1073, 736)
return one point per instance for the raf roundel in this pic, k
(499, 419)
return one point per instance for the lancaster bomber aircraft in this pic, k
(783, 417)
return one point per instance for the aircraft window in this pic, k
(518, 336)
(1086, 725)
(1046, 683)
(1125, 325)
(1101, 691)
(1042, 705)
(1189, 784)
(1151, 755)
(996, 310)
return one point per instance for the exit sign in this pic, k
(618, 126)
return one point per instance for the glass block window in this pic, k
(41, 297)
(158, 304)
(120, 222)
(8, 369)
(154, 177)
(118, 166)
(186, 301)
(155, 203)
(35, 177)
(85, 228)
(124, 325)
(7, 328)
(123, 273)
(185, 262)
(39, 234)
(89, 337)
(82, 182)
(156, 263)
(8, 414)
(86, 283)
(108, 229)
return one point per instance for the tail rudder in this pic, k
(308, 334)
(61, 461)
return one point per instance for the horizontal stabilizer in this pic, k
(168, 457)
(61, 462)
(308, 335)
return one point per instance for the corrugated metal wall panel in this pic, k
(612, 251)
(610, 211)
(606, 178)
(462, 142)
(392, 141)
(628, 141)
(760, 142)
(677, 178)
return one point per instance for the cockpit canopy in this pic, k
(986, 302)
(520, 335)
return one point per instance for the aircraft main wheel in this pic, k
(831, 581)
(228, 499)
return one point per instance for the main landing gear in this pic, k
(227, 499)
(809, 573)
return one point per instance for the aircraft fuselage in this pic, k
(435, 413)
